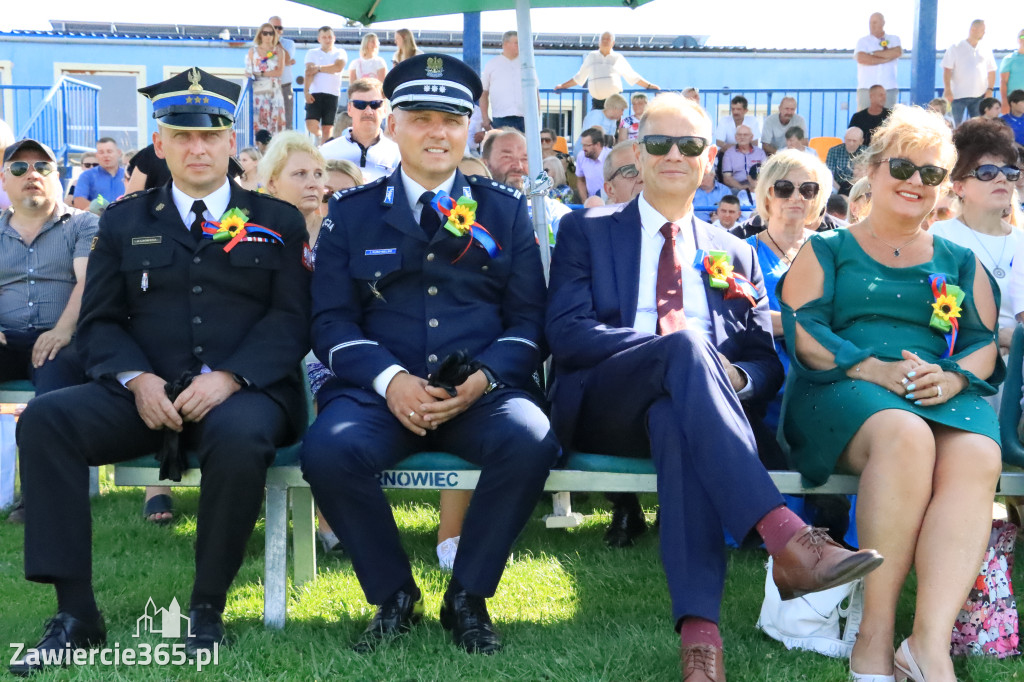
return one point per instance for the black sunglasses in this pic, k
(784, 189)
(546, 139)
(628, 172)
(904, 169)
(660, 145)
(988, 171)
(266, 33)
(89, 165)
(361, 104)
(19, 168)
(279, 28)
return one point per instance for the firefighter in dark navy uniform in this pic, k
(412, 269)
(195, 318)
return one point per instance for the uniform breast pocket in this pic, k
(146, 258)
(375, 268)
(264, 256)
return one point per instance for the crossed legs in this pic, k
(925, 499)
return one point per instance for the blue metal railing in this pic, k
(245, 136)
(64, 116)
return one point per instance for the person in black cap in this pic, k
(433, 333)
(177, 293)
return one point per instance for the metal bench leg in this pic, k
(303, 530)
(562, 515)
(275, 577)
(94, 481)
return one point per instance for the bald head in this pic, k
(607, 42)
(876, 24)
(853, 139)
(744, 136)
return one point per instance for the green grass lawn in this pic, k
(568, 608)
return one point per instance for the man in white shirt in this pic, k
(968, 73)
(725, 133)
(876, 56)
(773, 134)
(363, 143)
(286, 75)
(501, 104)
(322, 85)
(603, 71)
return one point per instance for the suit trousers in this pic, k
(16, 363)
(354, 440)
(676, 398)
(63, 433)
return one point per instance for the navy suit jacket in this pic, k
(592, 297)
(384, 294)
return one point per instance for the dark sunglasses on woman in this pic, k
(784, 189)
(904, 169)
(19, 168)
(361, 104)
(988, 172)
(660, 145)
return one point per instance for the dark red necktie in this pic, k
(670, 284)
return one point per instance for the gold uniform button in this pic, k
(430, 256)
(432, 291)
(432, 322)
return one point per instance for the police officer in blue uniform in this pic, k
(396, 292)
(165, 303)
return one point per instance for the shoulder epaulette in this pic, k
(359, 188)
(127, 197)
(481, 181)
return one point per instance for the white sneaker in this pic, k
(446, 553)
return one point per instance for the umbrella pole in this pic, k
(532, 110)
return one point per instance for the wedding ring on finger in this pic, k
(939, 391)
(412, 414)
(905, 380)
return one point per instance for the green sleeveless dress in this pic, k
(869, 309)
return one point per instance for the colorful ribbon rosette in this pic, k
(461, 217)
(946, 310)
(234, 228)
(722, 276)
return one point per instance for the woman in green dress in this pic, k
(892, 334)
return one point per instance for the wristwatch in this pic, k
(492, 381)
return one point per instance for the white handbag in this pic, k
(815, 622)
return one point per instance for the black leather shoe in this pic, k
(628, 523)
(206, 629)
(63, 634)
(466, 616)
(394, 617)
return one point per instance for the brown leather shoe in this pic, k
(812, 561)
(703, 663)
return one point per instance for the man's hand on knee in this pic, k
(446, 407)
(405, 395)
(206, 392)
(151, 401)
(49, 343)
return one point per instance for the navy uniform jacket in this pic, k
(383, 295)
(595, 279)
(245, 312)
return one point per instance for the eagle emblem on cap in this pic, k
(435, 67)
(193, 78)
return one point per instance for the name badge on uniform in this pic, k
(142, 241)
(389, 195)
(379, 252)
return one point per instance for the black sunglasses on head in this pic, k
(628, 172)
(361, 104)
(19, 168)
(904, 169)
(988, 172)
(660, 145)
(783, 189)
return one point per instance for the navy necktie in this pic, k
(429, 220)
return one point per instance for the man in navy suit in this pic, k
(633, 313)
(395, 293)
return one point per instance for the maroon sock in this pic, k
(696, 630)
(778, 527)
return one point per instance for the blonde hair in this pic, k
(365, 42)
(782, 164)
(259, 34)
(859, 189)
(676, 103)
(471, 165)
(348, 168)
(616, 102)
(281, 148)
(408, 45)
(910, 129)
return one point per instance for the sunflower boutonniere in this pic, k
(946, 310)
(461, 222)
(721, 275)
(234, 227)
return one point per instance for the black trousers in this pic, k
(64, 432)
(16, 363)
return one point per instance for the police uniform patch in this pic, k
(142, 241)
(92, 246)
(307, 256)
(389, 196)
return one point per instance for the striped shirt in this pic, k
(36, 279)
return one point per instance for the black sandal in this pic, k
(158, 504)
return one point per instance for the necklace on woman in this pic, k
(997, 271)
(896, 249)
(782, 252)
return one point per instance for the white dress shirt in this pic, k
(216, 204)
(413, 192)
